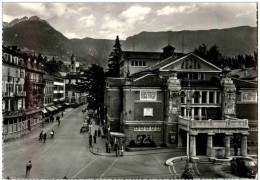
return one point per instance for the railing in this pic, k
(20, 93)
(229, 123)
(8, 94)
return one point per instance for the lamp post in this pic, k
(189, 94)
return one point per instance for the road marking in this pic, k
(108, 168)
(84, 168)
(171, 171)
(173, 167)
(196, 168)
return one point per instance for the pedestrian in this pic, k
(44, 137)
(40, 137)
(59, 122)
(99, 132)
(107, 146)
(235, 148)
(122, 150)
(62, 114)
(58, 118)
(116, 149)
(95, 138)
(95, 132)
(28, 167)
(90, 140)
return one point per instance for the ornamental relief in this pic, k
(230, 103)
(174, 102)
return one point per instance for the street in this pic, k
(67, 154)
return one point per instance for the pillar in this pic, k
(192, 113)
(207, 97)
(227, 145)
(244, 145)
(192, 145)
(209, 144)
(199, 113)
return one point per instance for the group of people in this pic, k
(97, 133)
(43, 136)
(118, 149)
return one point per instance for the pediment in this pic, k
(190, 63)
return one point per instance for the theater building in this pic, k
(175, 95)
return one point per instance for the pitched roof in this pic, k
(141, 55)
(244, 84)
(247, 73)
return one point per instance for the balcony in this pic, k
(214, 124)
(8, 94)
(20, 93)
(11, 114)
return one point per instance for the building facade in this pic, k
(22, 93)
(58, 90)
(179, 94)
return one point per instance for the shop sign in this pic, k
(148, 95)
(249, 96)
(148, 111)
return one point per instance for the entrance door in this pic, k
(201, 144)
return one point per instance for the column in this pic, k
(209, 144)
(207, 97)
(200, 98)
(192, 145)
(185, 115)
(227, 145)
(200, 113)
(244, 145)
(215, 97)
(192, 113)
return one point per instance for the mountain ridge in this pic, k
(40, 36)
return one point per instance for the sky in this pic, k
(107, 20)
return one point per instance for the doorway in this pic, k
(201, 144)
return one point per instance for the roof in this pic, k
(149, 80)
(247, 73)
(48, 77)
(114, 82)
(239, 83)
(141, 55)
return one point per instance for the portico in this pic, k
(214, 129)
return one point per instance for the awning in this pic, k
(50, 109)
(117, 134)
(59, 106)
(54, 108)
(67, 104)
(44, 111)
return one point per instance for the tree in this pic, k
(114, 58)
(93, 82)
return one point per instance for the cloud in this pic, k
(137, 12)
(242, 14)
(7, 18)
(88, 21)
(71, 35)
(168, 10)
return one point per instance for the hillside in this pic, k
(41, 37)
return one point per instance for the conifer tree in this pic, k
(114, 58)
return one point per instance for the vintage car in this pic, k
(244, 167)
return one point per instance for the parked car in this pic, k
(244, 167)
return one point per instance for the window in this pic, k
(204, 97)
(197, 96)
(132, 63)
(196, 111)
(182, 111)
(136, 63)
(148, 111)
(140, 63)
(211, 97)
(144, 63)
(218, 97)
(202, 76)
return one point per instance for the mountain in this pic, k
(231, 41)
(38, 35)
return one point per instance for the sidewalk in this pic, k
(34, 134)
(100, 147)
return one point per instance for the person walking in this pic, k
(95, 138)
(62, 114)
(122, 150)
(40, 137)
(116, 149)
(59, 122)
(90, 140)
(95, 134)
(107, 146)
(28, 168)
(235, 148)
(44, 137)
(99, 132)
